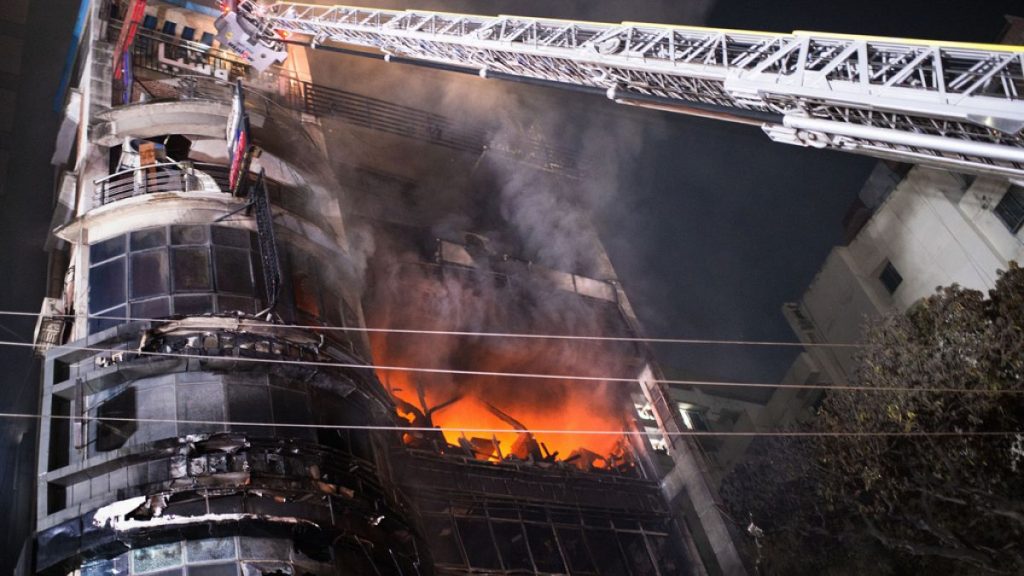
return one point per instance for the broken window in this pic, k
(576, 554)
(605, 549)
(477, 541)
(154, 558)
(115, 421)
(544, 547)
(210, 549)
(512, 545)
(441, 537)
(637, 556)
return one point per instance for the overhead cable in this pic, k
(398, 428)
(482, 334)
(534, 375)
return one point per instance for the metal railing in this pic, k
(197, 71)
(163, 177)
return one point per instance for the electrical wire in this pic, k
(535, 375)
(523, 335)
(398, 428)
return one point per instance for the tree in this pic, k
(897, 504)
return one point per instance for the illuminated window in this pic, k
(693, 419)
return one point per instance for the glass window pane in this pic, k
(189, 234)
(235, 304)
(235, 237)
(191, 269)
(148, 273)
(211, 549)
(263, 548)
(107, 319)
(214, 570)
(107, 249)
(150, 238)
(189, 305)
(234, 273)
(156, 557)
(106, 285)
(152, 308)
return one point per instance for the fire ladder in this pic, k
(951, 105)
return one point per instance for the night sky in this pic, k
(717, 228)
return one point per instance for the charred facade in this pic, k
(213, 404)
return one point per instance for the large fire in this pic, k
(498, 405)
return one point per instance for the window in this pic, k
(113, 433)
(1011, 208)
(148, 273)
(106, 285)
(156, 557)
(890, 278)
(187, 270)
(191, 269)
(693, 419)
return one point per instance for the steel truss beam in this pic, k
(953, 105)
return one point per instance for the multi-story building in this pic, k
(210, 399)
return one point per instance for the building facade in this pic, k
(926, 229)
(210, 401)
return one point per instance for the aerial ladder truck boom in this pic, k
(952, 105)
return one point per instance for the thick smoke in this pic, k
(552, 161)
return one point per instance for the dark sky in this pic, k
(712, 226)
(725, 226)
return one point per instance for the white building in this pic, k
(928, 228)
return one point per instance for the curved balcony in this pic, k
(169, 177)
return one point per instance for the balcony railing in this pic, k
(156, 178)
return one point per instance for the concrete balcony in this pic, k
(168, 177)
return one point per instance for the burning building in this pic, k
(235, 383)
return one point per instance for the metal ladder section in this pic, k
(953, 105)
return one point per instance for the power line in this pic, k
(536, 376)
(397, 428)
(521, 335)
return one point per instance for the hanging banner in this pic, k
(133, 16)
(240, 146)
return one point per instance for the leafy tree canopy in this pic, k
(906, 504)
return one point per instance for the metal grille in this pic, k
(268, 243)
(959, 106)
